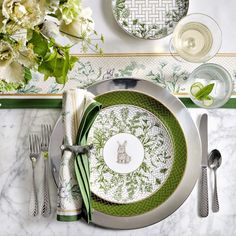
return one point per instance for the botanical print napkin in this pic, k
(79, 112)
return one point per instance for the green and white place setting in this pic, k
(111, 113)
(141, 169)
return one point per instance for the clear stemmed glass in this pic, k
(196, 38)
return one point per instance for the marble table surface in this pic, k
(15, 183)
(15, 167)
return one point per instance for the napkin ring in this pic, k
(76, 149)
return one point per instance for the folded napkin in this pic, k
(79, 113)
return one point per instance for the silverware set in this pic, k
(212, 161)
(39, 147)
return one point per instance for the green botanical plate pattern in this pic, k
(149, 159)
(149, 19)
(179, 154)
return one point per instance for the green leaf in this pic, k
(57, 14)
(62, 1)
(27, 75)
(40, 43)
(125, 23)
(66, 66)
(57, 64)
(102, 38)
(163, 171)
(73, 60)
(9, 86)
(158, 182)
(135, 22)
(204, 92)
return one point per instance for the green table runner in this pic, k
(56, 103)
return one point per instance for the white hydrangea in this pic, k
(82, 25)
(70, 10)
(24, 13)
(7, 54)
(10, 70)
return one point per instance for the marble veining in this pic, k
(15, 183)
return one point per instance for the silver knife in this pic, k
(203, 200)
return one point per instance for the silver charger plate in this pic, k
(193, 142)
(148, 19)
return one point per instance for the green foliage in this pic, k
(27, 75)
(9, 86)
(39, 42)
(36, 49)
(53, 60)
(204, 92)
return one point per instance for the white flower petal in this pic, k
(50, 29)
(27, 13)
(86, 12)
(12, 73)
(6, 54)
(83, 24)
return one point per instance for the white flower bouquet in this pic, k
(31, 39)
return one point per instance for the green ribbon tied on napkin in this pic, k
(81, 161)
(74, 195)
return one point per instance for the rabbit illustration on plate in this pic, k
(122, 156)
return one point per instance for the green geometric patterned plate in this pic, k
(132, 155)
(179, 154)
(149, 19)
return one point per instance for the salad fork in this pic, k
(34, 156)
(46, 133)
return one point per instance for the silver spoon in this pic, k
(214, 162)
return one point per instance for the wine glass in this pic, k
(196, 38)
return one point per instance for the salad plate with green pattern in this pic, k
(132, 156)
(148, 19)
(146, 155)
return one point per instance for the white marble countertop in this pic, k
(15, 171)
(15, 183)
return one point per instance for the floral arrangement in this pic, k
(33, 35)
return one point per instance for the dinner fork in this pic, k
(34, 156)
(46, 133)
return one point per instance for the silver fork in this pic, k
(46, 133)
(34, 156)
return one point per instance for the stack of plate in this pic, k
(146, 154)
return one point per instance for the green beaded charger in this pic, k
(179, 154)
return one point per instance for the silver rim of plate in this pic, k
(192, 137)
